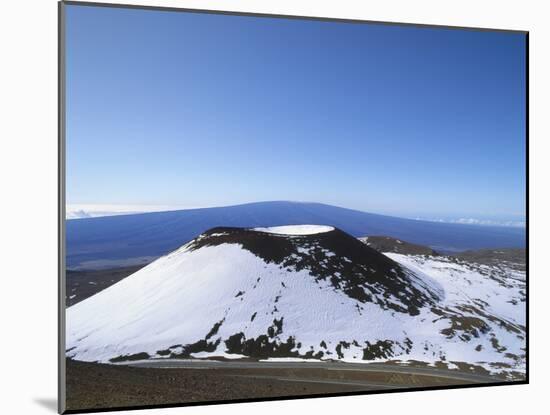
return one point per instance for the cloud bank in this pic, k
(481, 222)
(77, 211)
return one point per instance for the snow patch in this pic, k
(296, 229)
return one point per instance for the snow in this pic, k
(296, 229)
(462, 283)
(230, 356)
(153, 309)
(290, 359)
(466, 285)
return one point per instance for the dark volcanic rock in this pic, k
(514, 258)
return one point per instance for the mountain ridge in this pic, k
(94, 243)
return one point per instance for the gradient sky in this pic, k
(190, 109)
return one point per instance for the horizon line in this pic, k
(92, 210)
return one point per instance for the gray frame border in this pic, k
(62, 201)
(61, 289)
(284, 16)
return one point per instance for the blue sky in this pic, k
(189, 109)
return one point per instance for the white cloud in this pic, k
(472, 221)
(79, 211)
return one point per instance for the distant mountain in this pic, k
(304, 292)
(115, 241)
(389, 244)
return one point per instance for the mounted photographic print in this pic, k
(259, 207)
